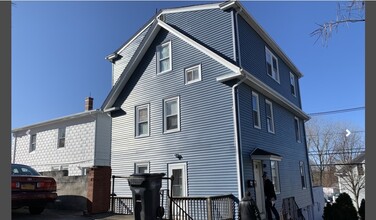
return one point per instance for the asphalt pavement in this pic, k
(56, 214)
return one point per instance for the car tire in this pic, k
(36, 210)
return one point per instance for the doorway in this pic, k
(259, 188)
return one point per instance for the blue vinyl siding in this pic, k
(206, 139)
(283, 142)
(127, 54)
(211, 28)
(253, 60)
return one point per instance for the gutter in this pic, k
(14, 148)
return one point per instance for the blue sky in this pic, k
(58, 51)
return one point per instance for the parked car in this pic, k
(30, 188)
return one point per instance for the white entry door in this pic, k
(259, 188)
(179, 184)
(178, 189)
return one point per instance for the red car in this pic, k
(30, 188)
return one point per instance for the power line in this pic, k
(316, 135)
(337, 111)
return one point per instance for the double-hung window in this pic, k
(61, 138)
(302, 174)
(269, 116)
(171, 117)
(33, 142)
(297, 129)
(164, 58)
(275, 175)
(141, 167)
(271, 65)
(292, 84)
(193, 74)
(256, 110)
(142, 120)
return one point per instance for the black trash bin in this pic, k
(146, 197)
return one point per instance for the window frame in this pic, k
(256, 97)
(33, 143)
(303, 178)
(190, 69)
(271, 129)
(137, 120)
(165, 131)
(298, 133)
(292, 84)
(158, 50)
(273, 75)
(137, 166)
(275, 176)
(60, 137)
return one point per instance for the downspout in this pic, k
(15, 147)
(239, 155)
(235, 107)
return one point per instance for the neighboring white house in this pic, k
(73, 143)
(356, 175)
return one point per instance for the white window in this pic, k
(302, 174)
(272, 65)
(193, 74)
(141, 167)
(275, 175)
(297, 129)
(164, 59)
(171, 115)
(269, 116)
(61, 138)
(256, 110)
(142, 120)
(179, 183)
(33, 142)
(292, 84)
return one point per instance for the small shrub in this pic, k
(343, 208)
(328, 212)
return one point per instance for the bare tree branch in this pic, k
(347, 12)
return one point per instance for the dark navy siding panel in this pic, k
(206, 139)
(252, 50)
(127, 54)
(211, 28)
(283, 142)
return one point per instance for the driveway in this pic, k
(53, 214)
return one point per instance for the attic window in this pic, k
(272, 65)
(164, 59)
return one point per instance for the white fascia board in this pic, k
(272, 94)
(57, 120)
(190, 8)
(198, 46)
(137, 57)
(264, 35)
(266, 90)
(131, 40)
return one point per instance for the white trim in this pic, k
(254, 94)
(293, 83)
(165, 131)
(190, 8)
(133, 38)
(266, 157)
(198, 67)
(298, 136)
(272, 128)
(158, 50)
(137, 122)
(183, 167)
(277, 187)
(198, 46)
(31, 143)
(276, 76)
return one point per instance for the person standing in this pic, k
(270, 198)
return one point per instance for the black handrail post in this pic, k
(113, 194)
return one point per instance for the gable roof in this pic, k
(237, 72)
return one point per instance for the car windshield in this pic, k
(18, 169)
